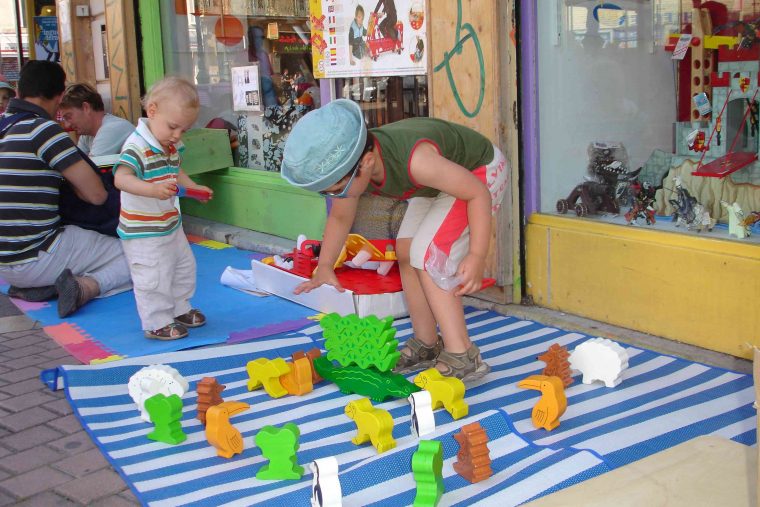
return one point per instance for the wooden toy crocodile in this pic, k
(371, 383)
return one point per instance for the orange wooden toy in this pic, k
(473, 459)
(557, 363)
(298, 380)
(209, 395)
(551, 405)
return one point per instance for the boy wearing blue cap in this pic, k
(6, 94)
(454, 179)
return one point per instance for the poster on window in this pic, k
(246, 88)
(351, 38)
(46, 38)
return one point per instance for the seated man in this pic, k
(100, 134)
(36, 157)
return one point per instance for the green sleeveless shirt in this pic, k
(397, 140)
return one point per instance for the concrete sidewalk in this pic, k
(46, 458)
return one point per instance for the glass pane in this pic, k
(387, 99)
(623, 120)
(9, 47)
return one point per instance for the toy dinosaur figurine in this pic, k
(551, 405)
(447, 392)
(279, 446)
(267, 373)
(372, 424)
(643, 203)
(220, 433)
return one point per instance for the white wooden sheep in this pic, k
(152, 380)
(600, 359)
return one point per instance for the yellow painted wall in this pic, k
(688, 288)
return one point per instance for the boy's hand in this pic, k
(205, 189)
(164, 190)
(321, 277)
(470, 274)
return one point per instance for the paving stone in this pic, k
(47, 499)
(56, 352)
(73, 444)
(113, 501)
(33, 482)
(30, 438)
(21, 374)
(4, 451)
(25, 341)
(66, 424)
(127, 493)
(60, 407)
(23, 387)
(19, 334)
(91, 487)
(25, 351)
(30, 459)
(37, 398)
(23, 362)
(82, 464)
(17, 323)
(6, 499)
(27, 419)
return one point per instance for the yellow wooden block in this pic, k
(372, 424)
(446, 392)
(267, 372)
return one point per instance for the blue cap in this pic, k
(324, 145)
(3, 84)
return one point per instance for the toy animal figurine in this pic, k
(473, 459)
(372, 424)
(298, 380)
(365, 342)
(557, 364)
(551, 405)
(643, 203)
(279, 446)
(600, 191)
(423, 420)
(311, 355)
(267, 373)
(325, 484)
(371, 383)
(447, 392)
(600, 359)
(688, 211)
(152, 380)
(427, 469)
(220, 433)
(166, 412)
(736, 226)
(209, 394)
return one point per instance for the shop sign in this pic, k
(351, 38)
(46, 38)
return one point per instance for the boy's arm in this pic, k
(126, 181)
(430, 169)
(86, 183)
(338, 224)
(187, 182)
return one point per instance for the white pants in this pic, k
(163, 275)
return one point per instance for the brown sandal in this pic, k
(173, 331)
(417, 356)
(466, 366)
(193, 318)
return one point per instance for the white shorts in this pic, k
(439, 225)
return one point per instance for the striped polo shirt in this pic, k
(144, 217)
(33, 154)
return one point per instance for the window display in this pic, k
(648, 113)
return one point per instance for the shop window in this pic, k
(204, 39)
(623, 121)
(387, 99)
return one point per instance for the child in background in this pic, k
(150, 226)
(454, 179)
(6, 93)
(356, 34)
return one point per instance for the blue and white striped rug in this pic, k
(662, 402)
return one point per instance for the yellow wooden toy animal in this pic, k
(551, 405)
(220, 433)
(372, 424)
(267, 373)
(446, 392)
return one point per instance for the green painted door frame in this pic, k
(151, 45)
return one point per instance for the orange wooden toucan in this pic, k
(220, 433)
(551, 405)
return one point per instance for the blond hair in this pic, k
(173, 88)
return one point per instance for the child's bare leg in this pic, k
(448, 312)
(423, 320)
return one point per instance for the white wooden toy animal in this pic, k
(152, 380)
(600, 359)
(325, 484)
(423, 420)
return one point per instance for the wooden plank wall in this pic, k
(122, 55)
(75, 42)
(473, 78)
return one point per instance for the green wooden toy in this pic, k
(165, 412)
(376, 385)
(364, 342)
(427, 468)
(279, 446)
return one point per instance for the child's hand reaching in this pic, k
(205, 189)
(470, 274)
(164, 190)
(321, 277)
